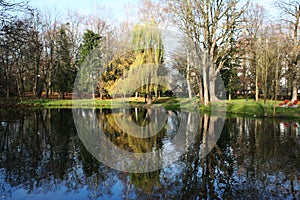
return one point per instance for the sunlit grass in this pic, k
(66, 103)
(256, 109)
(168, 103)
(240, 107)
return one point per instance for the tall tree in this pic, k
(291, 9)
(64, 71)
(89, 61)
(51, 24)
(148, 47)
(210, 25)
(16, 36)
(21, 48)
(90, 41)
(229, 72)
(254, 19)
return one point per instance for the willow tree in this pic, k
(148, 47)
(210, 25)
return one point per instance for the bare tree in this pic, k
(97, 21)
(152, 10)
(291, 9)
(51, 20)
(211, 26)
(17, 36)
(9, 11)
(74, 20)
(254, 20)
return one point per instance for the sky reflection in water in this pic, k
(42, 157)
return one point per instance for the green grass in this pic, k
(173, 103)
(256, 109)
(60, 103)
(168, 103)
(239, 107)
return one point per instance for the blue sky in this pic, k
(84, 5)
(116, 7)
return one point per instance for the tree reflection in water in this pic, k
(42, 157)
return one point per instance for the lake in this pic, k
(63, 154)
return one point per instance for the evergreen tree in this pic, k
(229, 71)
(64, 71)
(90, 41)
(90, 64)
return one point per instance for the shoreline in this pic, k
(239, 107)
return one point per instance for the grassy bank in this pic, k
(256, 109)
(167, 103)
(233, 107)
(61, 103)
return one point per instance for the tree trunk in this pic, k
(156, 91)
(295, 90)
(212, 86)
(205, 81)
(189, 86)
(276, 80)
(295, 53)
(149, 90)
(199, 82)
(149, 98)
(93, 91)
(256, 87)
(188, 77)
(295, 86)
(229, 92)
(47, 92)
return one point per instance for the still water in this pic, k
(43, 157)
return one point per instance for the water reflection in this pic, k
(116, 140)
(42, 157)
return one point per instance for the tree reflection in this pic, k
(40, 150)
(265, 159)
(206, 177)
(138, 138)
(253, 158)
(146, 182)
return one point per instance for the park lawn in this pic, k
(239, 107)
(68, 103)
(256, 109)
(84, 103)
(167, 103)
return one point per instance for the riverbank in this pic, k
(168, 103)
(255, 109)
(240, 107)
